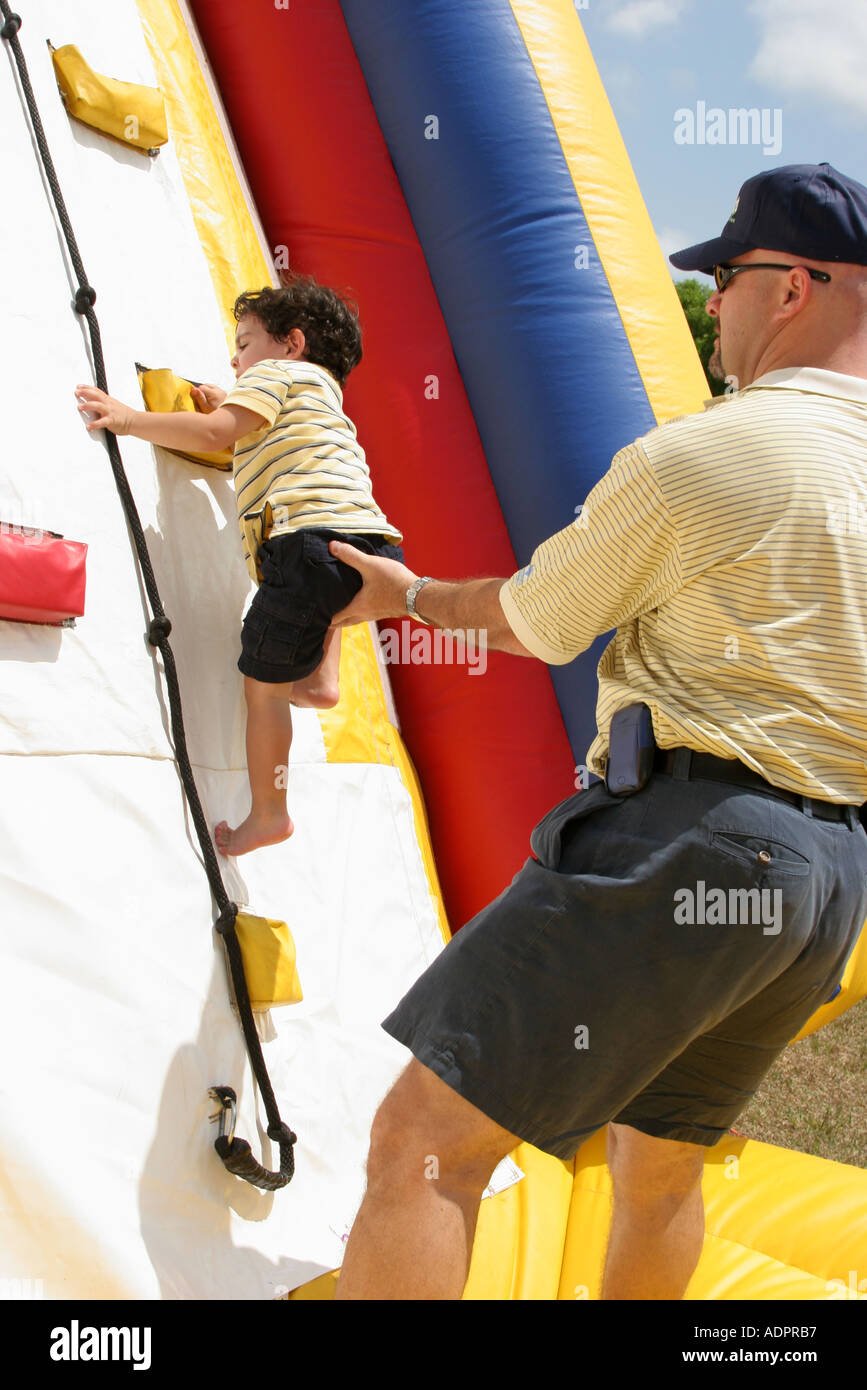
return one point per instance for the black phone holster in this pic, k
(631, 750)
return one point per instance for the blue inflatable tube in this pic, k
(548, 368)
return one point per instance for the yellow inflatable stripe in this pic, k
(359, 730)
(854, 987)
(619, 223)
(217, 200)
(348, 738)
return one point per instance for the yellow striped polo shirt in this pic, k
(304, 466)
(729, 551)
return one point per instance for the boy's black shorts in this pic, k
(302, 587)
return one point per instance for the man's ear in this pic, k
(803, 290)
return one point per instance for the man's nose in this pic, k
(712, 305)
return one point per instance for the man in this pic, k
(659, 950)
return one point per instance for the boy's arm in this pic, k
(179, 429)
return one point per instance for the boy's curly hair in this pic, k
(329, 324)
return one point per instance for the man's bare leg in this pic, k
(658, 1227)
(431, 1157)
(321, 689)
(269, 738)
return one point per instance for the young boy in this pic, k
(301, 480)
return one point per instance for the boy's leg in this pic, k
(269, 737)
(321, 689)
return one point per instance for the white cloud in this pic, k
(624, 87)
(683, 79)
(638, 17)
(673, 239)
(816, 49)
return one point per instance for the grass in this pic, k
(814, 1098)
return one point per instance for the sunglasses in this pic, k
(724, 273)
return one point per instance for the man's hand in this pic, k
(472, 606)
(383, 593)
(102, 412)
(208, 397)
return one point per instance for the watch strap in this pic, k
(412, 594)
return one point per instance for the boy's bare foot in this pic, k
(253, 833)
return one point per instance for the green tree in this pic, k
(693, 297)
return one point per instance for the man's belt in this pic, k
(685, 763)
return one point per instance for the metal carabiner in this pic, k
(227, 1112)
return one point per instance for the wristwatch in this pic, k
(412, 594)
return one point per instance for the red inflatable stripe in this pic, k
(491, 750)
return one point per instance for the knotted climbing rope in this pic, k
(235, 1153)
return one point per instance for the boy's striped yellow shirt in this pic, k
(304, 467)
(729, 550)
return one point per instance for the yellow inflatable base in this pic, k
(545, 1238)
(853, 988)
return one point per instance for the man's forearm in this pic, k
(472, 605)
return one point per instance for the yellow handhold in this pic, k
(162, 391)
(268, 952)
(127, 111)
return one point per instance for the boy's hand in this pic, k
(102, 412)
(208, 397)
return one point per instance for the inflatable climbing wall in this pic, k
(483, 215)
(122, 1020)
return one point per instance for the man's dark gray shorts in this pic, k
(647, 966)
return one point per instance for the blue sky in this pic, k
(806, 59)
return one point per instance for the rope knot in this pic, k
(225, 923)
(11, 27)
(85, 298)
(282, 1134)
(159, 629)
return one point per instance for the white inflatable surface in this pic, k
(117, 1016)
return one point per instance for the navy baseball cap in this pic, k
(808, 210)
